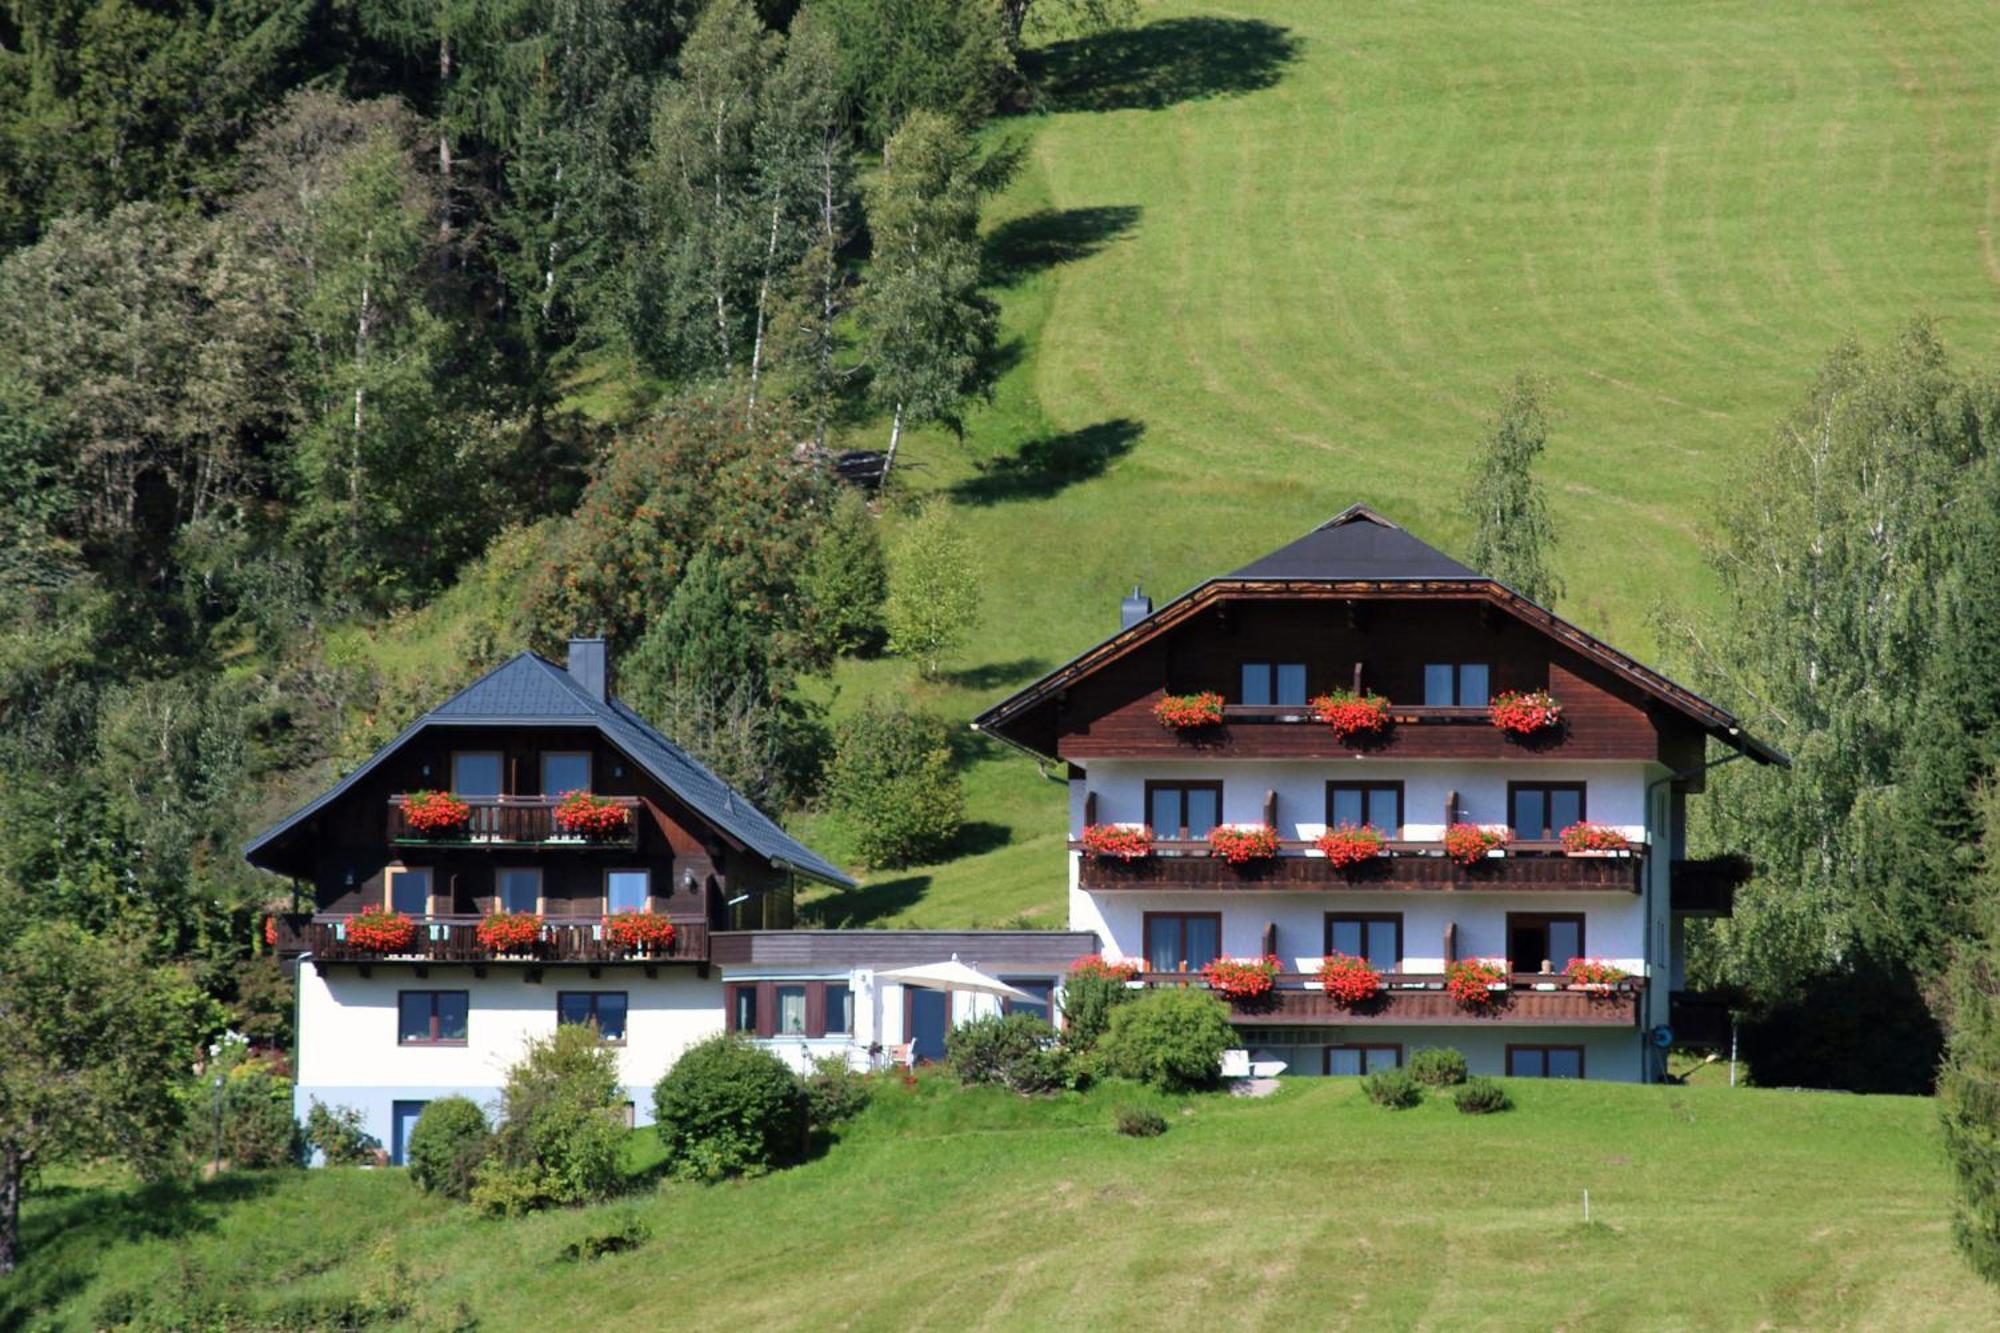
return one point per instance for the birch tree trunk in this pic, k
(763, 299)
(895, 435)
(10, 1208)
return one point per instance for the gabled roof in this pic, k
(1356, 543)
(1360, 554)
(528, 690)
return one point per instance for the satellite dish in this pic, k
(1661, 1036)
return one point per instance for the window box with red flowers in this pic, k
(1594, 975)
(1476, 983)
(1595, 840)
(1189, 712)
(639, 932)
(1242, 978)
(380, 931)
(1347, 846)
(1118, 842)
(1525, 712)
(1110, 969)
(1351, 715)
(1349, 980)
(509, 932)
(1240, 846)
(583, 815)
(436, 814)
(1469, 844)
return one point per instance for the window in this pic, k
(1542, 810)
(1545, 1062)
(1455, 685)
(839, 1009)
(791, 1011)
(602, 1009)
(627, 890)
(1042, 988)
(1274, 683)
(476, 772)
(431, 1017)
(1377, 804)
(1183, 809)
(520, 890)
(1535, 938)
(565, 770)
(1362, 1059)
(1376, 936)
(409, 889)
(1182, 940)
(743, 1010)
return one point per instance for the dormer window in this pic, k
(1455, 684)
(476, 772)
(565, 771)
(1266, 683)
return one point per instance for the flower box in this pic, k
(380, 931)
(583, 815)
(1097, 965)
(1239, 846)
(1469, 844)
(1525, 712)
(1594, 840)
(1189, 712)
(1347, 846)
(509, 932)
(1118, 842)
(1348, 980)
(436, 814)
(1594, 975)
(1476, 982)
(1242, 978)
(639, 931)
(1352, 715)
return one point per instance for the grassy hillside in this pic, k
(1274, 258)
(1709, 1209)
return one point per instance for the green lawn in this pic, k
(1274, 258)
(1709, 1209)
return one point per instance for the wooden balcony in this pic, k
(1420, 1000)
(1531, 866)
(455, 939)
(514, 822)
(1707, 887)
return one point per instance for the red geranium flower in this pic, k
(639, 931)
(1349, 846)
(381, 930)
(1594, 973)
(509, 932)
(1468, 844)
(1097, 965)
(1524, 712)
(434, 813)
(1186, 712)
(1119, 842)
(1594, 838)
(1470, 981)
(1242, 978)
(1349, 980)
(590, 816)
(1238, 845)
(1351, 714)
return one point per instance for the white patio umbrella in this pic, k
(951, 976)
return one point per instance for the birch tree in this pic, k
(1511, 532)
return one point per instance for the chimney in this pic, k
(590, 666)
(1134, 608)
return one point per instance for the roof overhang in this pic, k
(1715, 721)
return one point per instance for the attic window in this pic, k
(1455, 685)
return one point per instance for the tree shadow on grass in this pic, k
(978, 836)
(1051, 237)
(992, 675)
(1160, 64)
(64, 1244)
(866, 904)
(1049, 465)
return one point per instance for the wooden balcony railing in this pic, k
(455, 939)
(1420, 999)
(513, 822)
(1707, 887)
(1409, 865)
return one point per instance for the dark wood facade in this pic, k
(456, 940)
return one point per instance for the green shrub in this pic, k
(1172, 1039)
(1481, 1096)
(336, 1133)
(615, 1236)
(562, 1127)
(1140, 1122)
(1397, 1089)
(835, 1091)
(1437, 1066)
(1016, 1051)
(449, 1141)
(728, 1108)
(247, 1121)
(894, 785)
(1087, 1001)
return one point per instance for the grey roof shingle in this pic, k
(1358, 544)
(529, 690)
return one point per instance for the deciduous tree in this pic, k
(933, 588)
(1511, 532)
